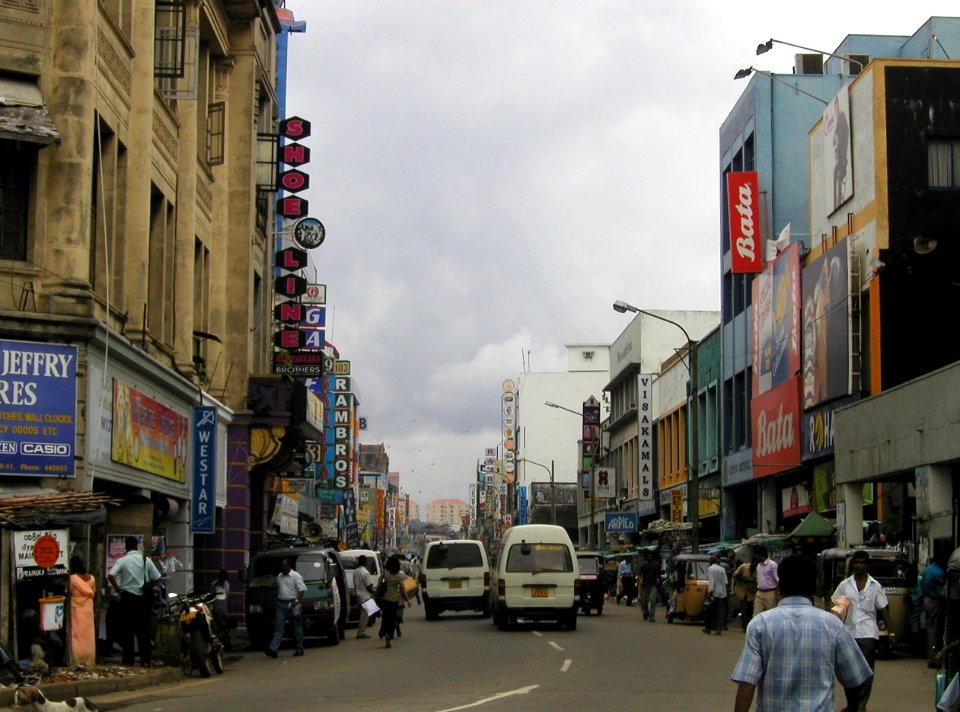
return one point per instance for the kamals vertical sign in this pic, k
(743, 207)
(645, 504)
(203, 500)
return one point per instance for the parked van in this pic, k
(455, 576)
(536, 576)
(325, 603)
(349, 560)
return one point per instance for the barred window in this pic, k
(15, 164)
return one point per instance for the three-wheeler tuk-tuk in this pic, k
(688, 579)
(890, 567)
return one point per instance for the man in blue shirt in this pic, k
(931, 584)
(627, 590)
(793, 652)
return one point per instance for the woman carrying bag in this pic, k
(390, 593)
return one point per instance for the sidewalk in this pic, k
(97, 680)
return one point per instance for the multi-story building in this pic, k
(138, 254)
(448, 512)
(834, 368)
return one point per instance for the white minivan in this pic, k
(536, 576)
(455, 576)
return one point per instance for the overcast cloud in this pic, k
(493, 174)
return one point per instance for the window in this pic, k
(107, 211)
(201, 305)
(160, 276)
(539, 558)
(215, 130)
(15, 166)
(454, 555)
(943, 163)
(170, 39)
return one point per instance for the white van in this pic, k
(348, 560)
(536, 576)
(455, 576)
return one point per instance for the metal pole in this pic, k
(553, 497)
(592, 539)
(693, 478)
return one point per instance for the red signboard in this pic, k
(743, 206)
(775, 419)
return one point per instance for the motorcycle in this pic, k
(200, 646)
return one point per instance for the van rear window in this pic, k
(451, 556)
(539, 558)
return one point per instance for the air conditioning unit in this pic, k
(808, 64)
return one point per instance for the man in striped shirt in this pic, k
(793, 652)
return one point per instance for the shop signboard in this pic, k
(38, 409)
(147, 435)
(41, 551)
(620, 522)
(203, 508)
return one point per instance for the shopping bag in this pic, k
(371, 607)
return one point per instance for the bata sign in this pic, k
(743, 206)
(776, 429)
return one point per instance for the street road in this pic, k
(614, 662)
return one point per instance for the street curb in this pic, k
(100, 686)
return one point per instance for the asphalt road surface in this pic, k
(462, 662)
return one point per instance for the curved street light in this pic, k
(747, 71)
(765, 47)
(693, 477)
(553, 494)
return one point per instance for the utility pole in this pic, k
(553, 497)
(693, 477)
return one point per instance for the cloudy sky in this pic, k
(493, 174)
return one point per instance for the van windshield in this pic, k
(451, 556)
(539, 558)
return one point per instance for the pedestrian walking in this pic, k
(220, 589)
(793, 652)
(932, 584)
(290, 590)
(768, 581)
(745, 588)
(132, 578)
(716, 597)
(866, 599)
(650, 586)
(363, 585)
(627, 584)
(393, 594)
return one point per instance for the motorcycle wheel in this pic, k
(216, 660)
(200, 654)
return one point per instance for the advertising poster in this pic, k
(837, 150)
(147, 434)
(775, 418)
(776, 322)
(39, 409)
(795, 500)
(826, 327)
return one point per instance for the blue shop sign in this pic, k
(620, 522)
(203, 503)
(38, 409)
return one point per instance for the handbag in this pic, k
(148, 584)
(381, 591)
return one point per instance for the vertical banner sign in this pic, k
(645, 443)
(203, 501)
(523, 511)
(38, 409)
(351, 531)
(743, 206)
(590, 443)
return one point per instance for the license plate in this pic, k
(539, 592)
(456, 583)
(189, 616)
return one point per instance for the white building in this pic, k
(449, 512)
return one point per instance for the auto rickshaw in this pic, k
(890, 567)
(593, 581)
(688, 579)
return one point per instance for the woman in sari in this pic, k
(83, 591)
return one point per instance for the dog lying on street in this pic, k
(32, 695)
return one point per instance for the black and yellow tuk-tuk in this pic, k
(890, 567)
(688, 579)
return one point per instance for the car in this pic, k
(455, 576)
(537, 577)
(326, 606)
(349, 560)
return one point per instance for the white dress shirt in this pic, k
(862, 614)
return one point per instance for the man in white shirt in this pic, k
(290, 589)
(130, 578)
(363, 585)
(866, 599)
(717, 595)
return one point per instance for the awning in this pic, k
(23, 117)
(53, 508)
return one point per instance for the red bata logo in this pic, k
(776, 435)
(742, 192)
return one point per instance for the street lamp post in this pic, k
(747, 71)
(553, 494)
(765, 47)
(693, 477)
(591, 533)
